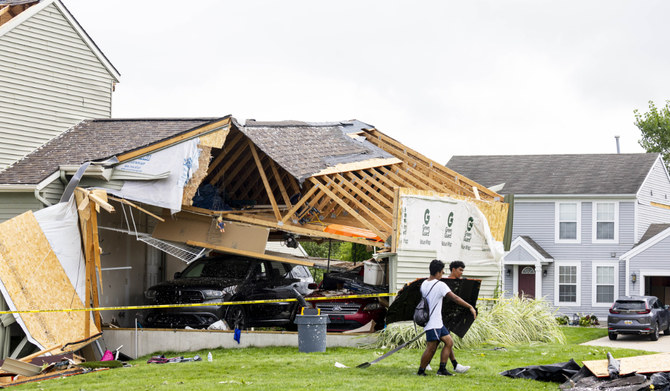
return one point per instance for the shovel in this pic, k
(367, 364)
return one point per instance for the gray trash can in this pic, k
(311, 332)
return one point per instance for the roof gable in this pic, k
(654, 234)
(576, 174)
(41, 6)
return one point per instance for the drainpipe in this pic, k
(41, 199)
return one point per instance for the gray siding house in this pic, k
(587, 228)
(53, 76)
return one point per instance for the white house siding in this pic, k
(656, 188)
(537, 220)
(12, 204)
(50, 81)
(53, 191)
(519, 254)
(411, 265)
(653, 261)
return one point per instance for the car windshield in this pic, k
(629, 305)
(218, 268)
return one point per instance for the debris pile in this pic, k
(625, 374)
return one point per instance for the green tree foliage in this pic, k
(344, 251)
(655, 128)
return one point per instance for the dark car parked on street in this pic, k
(222, 278)
(638, 315)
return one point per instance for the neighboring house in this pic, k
(52, 76)
(587, 228)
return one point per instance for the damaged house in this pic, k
(344, 181)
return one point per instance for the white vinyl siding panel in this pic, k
(414, 264)
(536, 218)
(655, 189)
(50, 81)
(13, 204)
(53, 191)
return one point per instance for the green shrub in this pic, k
(588, 320)
(562, 320)
(506, 322)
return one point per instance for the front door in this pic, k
(527, 282)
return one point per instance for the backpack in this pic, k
(421, 312)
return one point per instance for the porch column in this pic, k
(538, 279)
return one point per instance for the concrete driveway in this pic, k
(634, 342)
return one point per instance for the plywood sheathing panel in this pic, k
(637, 364)
(196, 179)
(215, 139)
(35, 279)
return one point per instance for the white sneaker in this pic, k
(461, 368)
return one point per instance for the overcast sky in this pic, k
(443, 77)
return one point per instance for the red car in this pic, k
(349, 314)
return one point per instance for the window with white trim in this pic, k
(568, 225)
(605, 224)
(567, 284)
(605, 283)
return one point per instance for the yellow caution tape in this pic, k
(146, 307)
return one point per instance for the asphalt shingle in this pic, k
(95, 140)
(558, 174)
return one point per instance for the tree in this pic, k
(655, 128)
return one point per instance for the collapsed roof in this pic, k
(329, 180)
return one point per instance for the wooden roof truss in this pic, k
(362, 198)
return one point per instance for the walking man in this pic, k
(456, 269)
(435, 290)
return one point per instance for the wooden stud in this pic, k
(365, 197)
(95, 252)
(282, 189)
(369, 178)
(246, 253)
(232, 175)
(402, 152)
(361, 183)
(412, 172)
(259, 165)
(124, 201)
(390, 173)
(300, 230)
(366, 210)
(379, 176)
(259, 187)
(174, 140)
(397, 217)
(224, 152)
(300, 203)
(231, 158)
(350, 210)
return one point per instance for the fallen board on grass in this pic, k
(637, 364)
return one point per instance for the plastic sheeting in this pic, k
(557, 373)
(181, 160)
(60, 224)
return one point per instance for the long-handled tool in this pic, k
(367, 364)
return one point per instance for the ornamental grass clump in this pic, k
(507, 322)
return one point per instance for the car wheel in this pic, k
(654, 333)
(667, 331)
(612, 336)
(236, 318)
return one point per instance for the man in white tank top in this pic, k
(434, 291)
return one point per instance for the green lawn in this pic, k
(286, 369)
